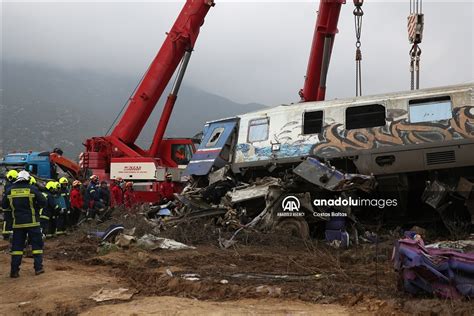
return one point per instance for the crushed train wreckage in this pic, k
(274, 203)
(444, 269)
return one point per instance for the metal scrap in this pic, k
(250, 192)
(443, 272)
(329, 178)
(120, 294)
(152, 242)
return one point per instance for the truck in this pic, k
(43, 165)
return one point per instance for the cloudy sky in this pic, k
(247, 51)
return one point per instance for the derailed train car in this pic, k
(418, 144)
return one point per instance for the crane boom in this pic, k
(326, 28)
(180, 39)
(117, 155)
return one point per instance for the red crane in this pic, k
(117, 154)
(325, 31)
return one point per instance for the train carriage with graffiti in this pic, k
(383, 134)
(416, 144)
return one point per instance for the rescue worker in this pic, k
(33, 181)
(76, 202)
(93, 197)
(85, 195)
(61, 215)
(116, 196)
(64, 191)
(7, 230)
(167, 189)
(129, 196)
(24, 202)
(49, 212)
(104, 194)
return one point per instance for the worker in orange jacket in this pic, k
(129, 196)
(76, 201)
(167, 188)
(116, 192)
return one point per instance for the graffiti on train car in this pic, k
(335, 139)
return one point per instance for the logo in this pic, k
(290, 206)
(132, 168)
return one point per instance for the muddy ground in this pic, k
(261, 274)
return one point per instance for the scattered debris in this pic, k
(109, 234)
(152, 242)
(191, 277)
(249, 192)
(270, 290)
(445, 273)
(282, 277)
(223, 281)
(465, 246)
(420, 231)
(329, 178)
(24, 303)
(120, 294)
(124, 241)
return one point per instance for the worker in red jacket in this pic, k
(77, 203)
(167, 188)
(116, 192)
(129, 196)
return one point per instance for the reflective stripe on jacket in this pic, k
(25, 202)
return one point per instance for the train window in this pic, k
(430, 109)
(216, 134)
(258, 130)
(312, 122)
(365, 116)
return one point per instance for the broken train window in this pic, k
(365, 116)
(258, 130)
(430, 109)
(216, 134)
(312, 122)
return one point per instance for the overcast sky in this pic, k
(247, 51)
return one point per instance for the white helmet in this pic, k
(23, 176)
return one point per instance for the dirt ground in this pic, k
(262, 274)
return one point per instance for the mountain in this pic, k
(43, 107)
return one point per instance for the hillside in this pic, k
(44, 107)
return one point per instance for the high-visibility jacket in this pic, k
(25, 202)
(92, 194)
(65, 194)
(51, 208)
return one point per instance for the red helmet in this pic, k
(129, 184)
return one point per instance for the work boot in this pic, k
(38, 272)
(14, 274)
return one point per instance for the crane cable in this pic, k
(127, 101)
(415, 35)
(358, 13)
